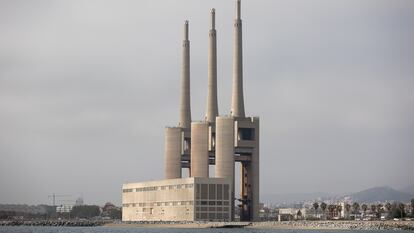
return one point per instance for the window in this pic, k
(212, 191)
(226, 192)
(198, 193)
(219, 191)
(204, 191)
(246, 134)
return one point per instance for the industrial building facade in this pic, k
(220, 141)
(187, 199)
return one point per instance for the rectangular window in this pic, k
(204, 191)
(226, 192)
(198, 193)
(246, 134)
(212, 191)
(219, 191)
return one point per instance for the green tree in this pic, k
(380, 210)
(401, 206)
(373, 208)
(347, 209)
(323, 207)
(397, 210)
(355, 208)
(115, 213)
(315, 207)
(412, 207)
(388, 207)
(364, 208)
(85, 211)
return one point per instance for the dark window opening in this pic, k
(246, 134)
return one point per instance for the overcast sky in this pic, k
(87, 87)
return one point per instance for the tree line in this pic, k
(394, 210)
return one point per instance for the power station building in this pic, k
(218, 140)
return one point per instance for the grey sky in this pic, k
(86, 88)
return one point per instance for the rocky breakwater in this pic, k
(67, 223)
(346, 225)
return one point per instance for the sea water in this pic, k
(26, 229)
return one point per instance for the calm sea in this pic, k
(23, 229)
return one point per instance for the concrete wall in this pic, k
(176, 200)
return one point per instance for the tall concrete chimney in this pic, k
(237, 103)
(185, 109)
(212, 106)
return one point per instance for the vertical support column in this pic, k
(255, 171)
(199, 149)
(173, 144)
(225, 152)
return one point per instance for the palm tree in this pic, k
(388, 206)
(412, 207)
(380, 210)
(355, 207)
(347, 209)
(339, 209)
(315, 207)
(401, 206)
(373, 208)
(364, 208)
(323, 207)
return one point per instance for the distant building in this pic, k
(64, 208)
(289, 214)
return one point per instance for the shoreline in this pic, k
(288, 225)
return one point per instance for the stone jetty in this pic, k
(64, 223)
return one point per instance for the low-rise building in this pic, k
(184, 199)
(64, 208)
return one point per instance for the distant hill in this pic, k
(380, 194)
(408, 189)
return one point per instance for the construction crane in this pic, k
(54, 195)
